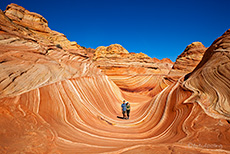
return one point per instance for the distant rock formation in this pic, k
(188, 59)
(117, 56)
(55, 99)
(125, 69)
(114, 50)
(166, 60)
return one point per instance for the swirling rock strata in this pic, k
(55, 100)
(210, 80)
(29, 60)
(79, 116)
(132, 72)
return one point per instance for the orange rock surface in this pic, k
(55, 99)
(213, 72)
(132, 72)
(188, 59)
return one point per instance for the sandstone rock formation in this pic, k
(188, 59)
(54, 99)
(31, 59)
(33, 24)
(132, 72)
(210, 80)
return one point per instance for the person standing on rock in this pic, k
(123, 108)
(127, 109)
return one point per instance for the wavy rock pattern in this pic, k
(210, 80)
(134, 73)
(79, 115)
(29, 61)
(58, 101)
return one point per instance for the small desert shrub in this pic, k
(58, 46)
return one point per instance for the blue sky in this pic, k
(160, 29)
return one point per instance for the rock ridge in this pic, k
(188, 59)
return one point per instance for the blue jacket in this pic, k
(123, 106)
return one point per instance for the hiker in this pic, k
(127, 109)
(123, 108)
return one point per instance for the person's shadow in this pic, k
(120, 117)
